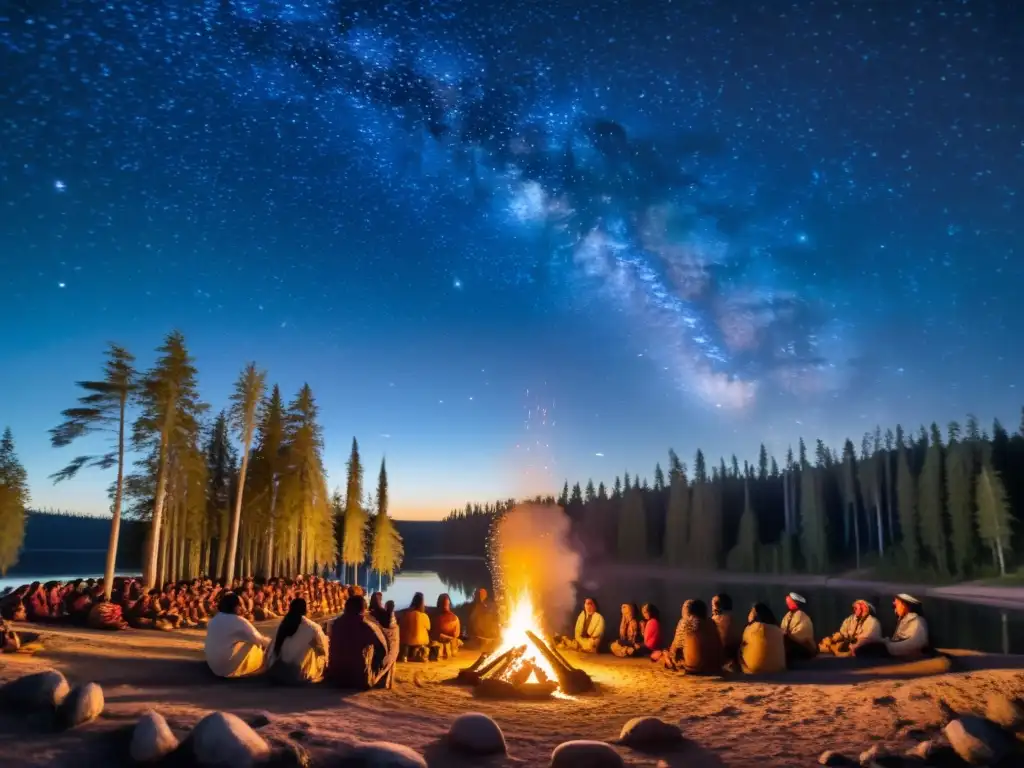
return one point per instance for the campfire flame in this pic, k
(523, 617)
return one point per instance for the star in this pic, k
(60, 186)
(457, 284)
(60, 285)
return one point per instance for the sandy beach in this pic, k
(739, 721)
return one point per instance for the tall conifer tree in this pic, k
(354, 545)
(14, 498)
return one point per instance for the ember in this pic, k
(524, 665)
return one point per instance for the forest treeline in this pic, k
(235, 493)
(929, 505)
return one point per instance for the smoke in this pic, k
(531, 556)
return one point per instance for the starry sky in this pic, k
(508, 244)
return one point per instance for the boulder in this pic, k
(41, 690)
(872, 755)
(382, 754)
(977, 741)
(221, 738)
(83, 705)
(259, 720)
(152, 739)
(1007, 712)
(922, 750)
(477, 734)
(835, 758)
(648, 732)
(585, 754)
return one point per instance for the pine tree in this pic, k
(590, 493)
(576, 498)
(633, 527)
(170, 406)
(354, 545)
(14, 498)
(994, 519)
(245, 416)
(906, 494)
(744, 555)
(563, 499)
(659, 478)
(221, 464)
(677, 521)
(102, 409)
(960, 471)
(387, 550)
(931, 504)
(269, 465)
(849, 495)
(813, 529)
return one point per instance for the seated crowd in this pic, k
(179, 605)
(709, 644)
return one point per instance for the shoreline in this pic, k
(1009, 598)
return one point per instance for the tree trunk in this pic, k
(852, 512)
(115, 523)
(785, 501)
(236, 519)
(890, 487)
(222, 546)
(999, 553)
(149, 574)
(878, 519)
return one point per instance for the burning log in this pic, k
(571, 679)
(492, 688)
(472, 675)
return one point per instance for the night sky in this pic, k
(512, 243)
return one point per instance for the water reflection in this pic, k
(459, 578)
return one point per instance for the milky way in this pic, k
(776, 206)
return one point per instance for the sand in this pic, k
(783, 722)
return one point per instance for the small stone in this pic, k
(884, 701)
(923, 750)
(1007, 712)
(644, 732)
(476, 734)
(585, 754)
(872, 755)
(221, 738)
(259, 720)
(83, 705)
(834, 758)
(382, 754)
(41, 690)
(152, 738)
(977, 741)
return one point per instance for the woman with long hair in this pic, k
(414, 630)
(300, 648)
(763, 650)
(629, 640)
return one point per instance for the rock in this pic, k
(1007, 712)
(476, 734)
(83, 705)
(221, 738)
(152, 739)
(835, 758)
(382, 754)
(585, 754)
(872, 755)
(289, 756)
(923, 750)
(41, 690)
(645, 732)
(977, 741)
(259, 720)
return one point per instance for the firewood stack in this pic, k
(511, 676)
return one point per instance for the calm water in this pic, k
(954, 624)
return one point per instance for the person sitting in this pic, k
(376, 608)
(359, 655)
(106, 615)
(35, 603)
(414, 628)
(482, 623)
(798, 630)
(9, 640)
(445, 628)
(589, 630)
(859, 628)
(300, 648)
(729, 630)
(696, 647)
(629, 640)
(763, 648)
(233, 648)
(650, 630)
(389, 627)
(909, 640)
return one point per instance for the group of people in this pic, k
(708, 642)
(358, 650)
(178, 605)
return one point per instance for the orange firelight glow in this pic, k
(523, 617)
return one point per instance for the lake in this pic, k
(954, 624)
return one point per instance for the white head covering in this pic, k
(797, 598)
(869, 605)
(908, 598)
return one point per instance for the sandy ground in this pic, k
(784, 722)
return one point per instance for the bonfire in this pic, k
(524, 665)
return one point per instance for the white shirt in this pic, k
(225, 633)
(294, 648)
